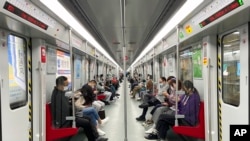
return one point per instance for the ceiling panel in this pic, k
(143, 19)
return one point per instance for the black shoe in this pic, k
(144, 105)
(117, 94)
(140, 118)
(105, 102)
(102, 139)
(151, 136)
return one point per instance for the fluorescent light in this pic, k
(237, 32)
(184, 11)
(61, 12)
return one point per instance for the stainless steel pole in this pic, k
(177, 76)
(125, 95)
(72, 75)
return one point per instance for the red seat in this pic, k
(56, 133)
(197, 131)
(100, 97)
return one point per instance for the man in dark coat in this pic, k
(61, 108)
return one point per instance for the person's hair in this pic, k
(150, 76)
(60, 80)
(92, 81)
(163, 78)
(189, 85)
(88, 97)
(173, 81)
(170, 77)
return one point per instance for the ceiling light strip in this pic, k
(182, 13)
(61, 12)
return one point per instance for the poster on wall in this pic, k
(197, 63)
(63, 64)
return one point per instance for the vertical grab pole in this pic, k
(41, 99)
(72, 75)
(177, 75)
(125, 95)
(209, 98)
(95, 66)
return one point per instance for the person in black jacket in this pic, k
(61, 108)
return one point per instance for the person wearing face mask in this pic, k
(153, 100)
(188, 105)
(61, 108)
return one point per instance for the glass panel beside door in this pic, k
(231, 68)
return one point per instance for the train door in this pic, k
(233, 87)
(15, 88)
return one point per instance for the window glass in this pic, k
(231, 68)
(17, 61)
(186, 72)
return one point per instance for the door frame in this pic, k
(244, 32)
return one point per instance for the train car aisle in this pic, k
(114, 128)
(115, 111)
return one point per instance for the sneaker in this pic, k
(100, 132)
(140, 118)
(149, 121)
(104, 121)
(138, 99)
(151, 136)
(145, 124)
(151, 130)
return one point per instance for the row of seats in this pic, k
(197, 131)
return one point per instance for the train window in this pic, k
(63, 65)
(231, 68)
(186, 65)
(17, 60)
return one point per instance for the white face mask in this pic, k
(65, 88)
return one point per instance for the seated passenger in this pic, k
(167, 106)
(61, 108)
(97, 104)
(136, 89)
(88, 107)
(151, 100)
(188, 105)
(107, 94)
(110, 88)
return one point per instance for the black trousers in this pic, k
(152, 101)
(167, 121)
(89, 129)
(163, 124)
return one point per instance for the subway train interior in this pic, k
(129, 70)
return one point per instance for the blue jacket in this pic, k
(189, 106)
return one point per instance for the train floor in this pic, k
(114, 128)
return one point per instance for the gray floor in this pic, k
(114, 128)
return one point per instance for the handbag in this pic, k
(102, 114)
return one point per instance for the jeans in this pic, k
(92, 113)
